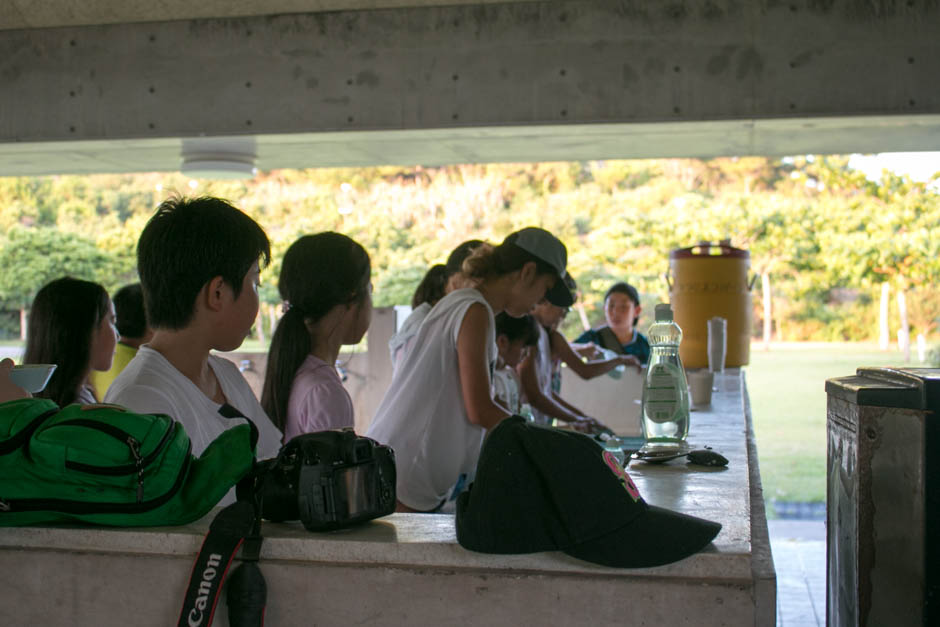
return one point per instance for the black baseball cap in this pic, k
(551, 250)
(538, 488)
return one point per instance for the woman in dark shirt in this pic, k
(622, 311)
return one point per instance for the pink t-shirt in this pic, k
(318, 400)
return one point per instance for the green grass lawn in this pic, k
(788, 403)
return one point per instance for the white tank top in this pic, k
(400, 342)
(543, 373)
(422, 416)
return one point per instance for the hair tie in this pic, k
(288, 306)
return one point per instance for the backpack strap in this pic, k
(609, 340)
(23, 435)
(225, 537)
(229, 411)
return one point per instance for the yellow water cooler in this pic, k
(705, 281)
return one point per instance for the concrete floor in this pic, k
(799, 548)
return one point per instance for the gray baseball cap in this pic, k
(548, 248)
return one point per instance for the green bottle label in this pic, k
(662, 394)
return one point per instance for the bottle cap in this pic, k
(663, 312)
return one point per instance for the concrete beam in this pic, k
(53, 13)
(432, 147)
(547, 70)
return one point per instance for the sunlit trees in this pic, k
(822, 237)
(30, 258)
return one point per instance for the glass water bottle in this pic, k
(665, 390)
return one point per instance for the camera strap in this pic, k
(226, 535)
(237, 526)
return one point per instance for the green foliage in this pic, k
(810, 223)
(30, 258)
(397, 287)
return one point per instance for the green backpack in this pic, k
(106, 465)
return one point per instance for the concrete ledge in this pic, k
(408, 568)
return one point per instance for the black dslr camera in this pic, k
(328, 480)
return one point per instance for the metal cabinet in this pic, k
(883, 524)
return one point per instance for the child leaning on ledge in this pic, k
(198, 261)
(440, 401)
(537, 369)
(515, 337)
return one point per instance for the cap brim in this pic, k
(660, 536)
(559, 294)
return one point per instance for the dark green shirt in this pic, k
(638, 346)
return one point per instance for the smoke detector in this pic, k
(219, 158)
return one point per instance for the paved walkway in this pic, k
(799, 548)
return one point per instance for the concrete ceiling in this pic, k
(16, 14)
(95, 86)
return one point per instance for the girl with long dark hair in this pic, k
(439, 404)
(325, 284)
(71, 324)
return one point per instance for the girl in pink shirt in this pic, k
(325, 284)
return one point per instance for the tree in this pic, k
(818, 231)
(30, 258)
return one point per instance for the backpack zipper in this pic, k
(88, 508)
(132, 444)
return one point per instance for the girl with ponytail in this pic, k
(439, 404)
(325, 284)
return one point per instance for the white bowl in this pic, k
(32, 377)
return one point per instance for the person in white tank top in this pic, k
(439, 405)
(440, 280)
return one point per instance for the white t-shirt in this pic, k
(506, 389)
(400, 343)
(543, 373)
(422, 416)
(86, 395)
(152, 385)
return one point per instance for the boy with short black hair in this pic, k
(199, 261)
(514, 338)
